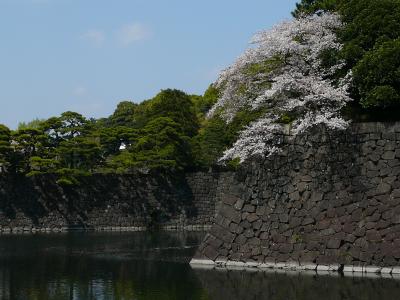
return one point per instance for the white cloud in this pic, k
(79, 91)
(95, 37)
(133, 33)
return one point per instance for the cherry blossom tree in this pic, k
(284, 73)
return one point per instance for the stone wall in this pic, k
(330, 198)
(110, 202)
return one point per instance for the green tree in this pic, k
(177, 106)
(313, 6)
(160, 145)
(377, 76)
(124, 114)
(67, 126)
(35, 124)
(72, 124)
(51, 127)
(28, 143)
(368, 23)
(216, 136)
(211, 142)
(5, 147)
(205, 102)
(41, 165)
(370, 49)
(80, 152)
(112, 138)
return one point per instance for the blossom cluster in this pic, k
(284, 73)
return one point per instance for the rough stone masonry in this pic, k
(111, 202)
(329, 199)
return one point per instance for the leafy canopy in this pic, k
(369, 34)
(5, 147)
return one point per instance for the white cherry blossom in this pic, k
(283, 73)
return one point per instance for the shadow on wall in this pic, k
(100, 200)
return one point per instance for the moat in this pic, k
(144, 266)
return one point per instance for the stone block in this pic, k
(348, 269)
(239, 204)
(348, 228)
(308, 221)
(334, 267)
(295, 196)
(396, 271)
(327, 232)
(333, 244)
(286, 248)
(372, 269)
(283, 218)
(249, 208)
(210, 252)
(386, 270)
(388, 155)
(373, 236)
(254, 241)
(222, 233)
(230, 213)
(264, 236)
(249, 233)
(231, 263)
(323, 268)
(359, 232)
(195, 262)
(308, 267)
(383, 189)
(323, 224)
(294, 222)
(252, 217)
(316, 196)
(260, 211)
(267, 265)
(252, 264)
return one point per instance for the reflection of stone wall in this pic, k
(327, 198)
(120, 266)
(110, 202)
(242, 285)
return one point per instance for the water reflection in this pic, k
(152, 266)
(99, 266)
(255, 285)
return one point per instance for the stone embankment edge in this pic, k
(364, 271)
(103, 229)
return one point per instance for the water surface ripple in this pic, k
(153, 266)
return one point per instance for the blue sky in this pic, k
(88, 55)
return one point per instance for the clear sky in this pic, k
(88, 55)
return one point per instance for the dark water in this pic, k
(147, 266)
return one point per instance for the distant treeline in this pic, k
(168, 132)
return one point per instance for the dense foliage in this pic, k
(161, 133)
(370, 38)
(5, 147)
